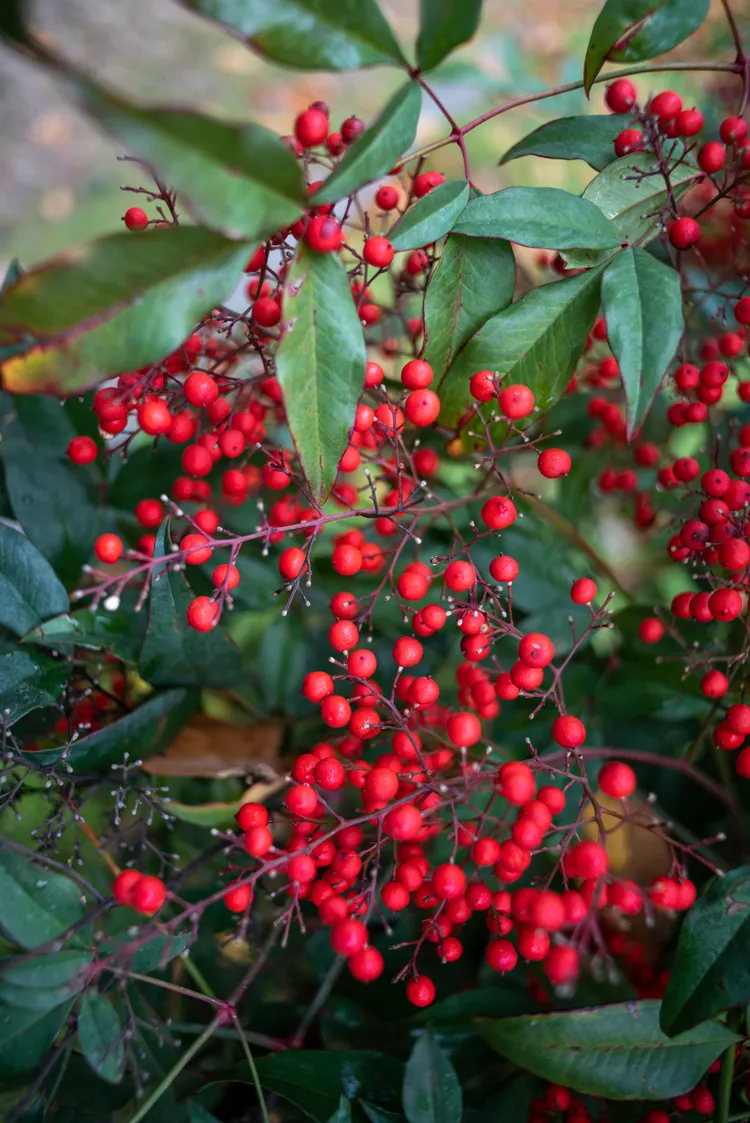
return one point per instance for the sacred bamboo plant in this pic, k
(336, 479)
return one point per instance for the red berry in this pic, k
(554, 463)
(335, 711)
(711, 157)
(733, 130)
(426, 182)
(536, 649)
(689, 122)
(238, 897)
(501, 956)
(464, 730)
(666, 106)
(420, 991)
(366, 965)
(617, 779)
(387, 198)
(378, 252)
(311, 127)
(200, 389)
(416, 374)
(148, 894)
(82, 450)
(460, 575)
(352, 129)
(323, 234)
(202, 614)
(499, 512)
(568, 731)
(196, 549)
(650, 630)
(516, 401)
(620, 96)
(135, 218)
(583, 591)
(627, 141)
(108, 548)
(124, 884)
(422, 407)
(683, 233)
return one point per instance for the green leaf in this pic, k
(432, 1093)
(38, 906)
(26, 1035)
(140, 734)
(642, 304)
(198, 1114)
(629, 194)
(443, 26)
(711, 969)
(474, 279)
(100, 1036)
(379, 148)
(430, 217)
(320, 364)
(634, 30)
(538, 216)
(314, 1080)
(120, 632)
(13, 273)
(241, 179)
(615, 1051)
(28, 682)
(119, 303)
(205, 814)
(151, 956)
(309, 34)
(572, 138)
(49, 500)
(343, 1113)
(42, 982)
(29, 589)
(537, 342)
(173, 653)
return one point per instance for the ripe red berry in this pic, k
(335, 711)
(460, 575)
(499, 512)
(568, 731)
(650, 630)
(501, 956)
(561, 966)
(200, 389)
(516, 401)
(238, 897)
(387, 198)
(536, 649)
(202, 614)
(196, 549)
(403, 823)
(323, 234)
(416, 374)
(617, 779)
(426, 182)
(266, 311)
(627, 141)
(420, 991)
(124, 884)
(554, 463)
(689, 122)
(515, 781)
(586, 860)
(378, 252)
(666, 106)
(135, 218)
(683, 233)
(711, 157)
(733, 130)
(422, 407)
(464, 730)
(292, 563)
(108, 548)
(583, 591)
(366, 965)
(311, 127)
(82, 450)
(620, 96)
(352, 129)
(482, 385)
(148, 894)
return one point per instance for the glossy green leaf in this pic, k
(474, 279)
(26, 1035)
(241, 179)
(343, 1113)
(443, 26)
(120, 632)
(117, 304)
(379, 147)
(632, 196)
(100, 1036)
(139, 734)
(198, 1114)
(431, 1093)
(42, 982)
(634, 30)
(642, 304)
(431, 217)
(537, 341)
(320, 364)
(711, 969)
(309, 34)
(151, 956)
(545, 217)
(38, 905)
(173, 653)
(314, 1080)
(28, 681)
(572, 138)
(29, 589)
(614, 1051)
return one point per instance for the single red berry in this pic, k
(460, 575)
(620, 96)
(311, 127)
(416, 374)
(227, 576)
(711, 157)
(148, 895)
(387, 198)
(617, 779)
(554, 463)
(683, 233)
(627, 141)
(650, 630)
(422, 407)
(238, 897)
(499, 512)
(536, 649)
(733, 130)
(568, 731)
(482, 385)
(516, 401)
(323, 234)
(464, 729)
(292, 563)
(583, 591)
(689, 122)
(335, 711)
(352, 129)
(378, 252)
(196, 549)
(501, 956)
(135, 218)
(124, 884)
(258, 841)
(202, 614)
(426, 182)
(200, 389)
(82, 450)
(667, 106)
(420, 991)
(515, 781)
(108, 548)
(561, 967)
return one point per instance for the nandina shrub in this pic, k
(344, 748)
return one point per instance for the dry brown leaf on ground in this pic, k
(214, 750)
